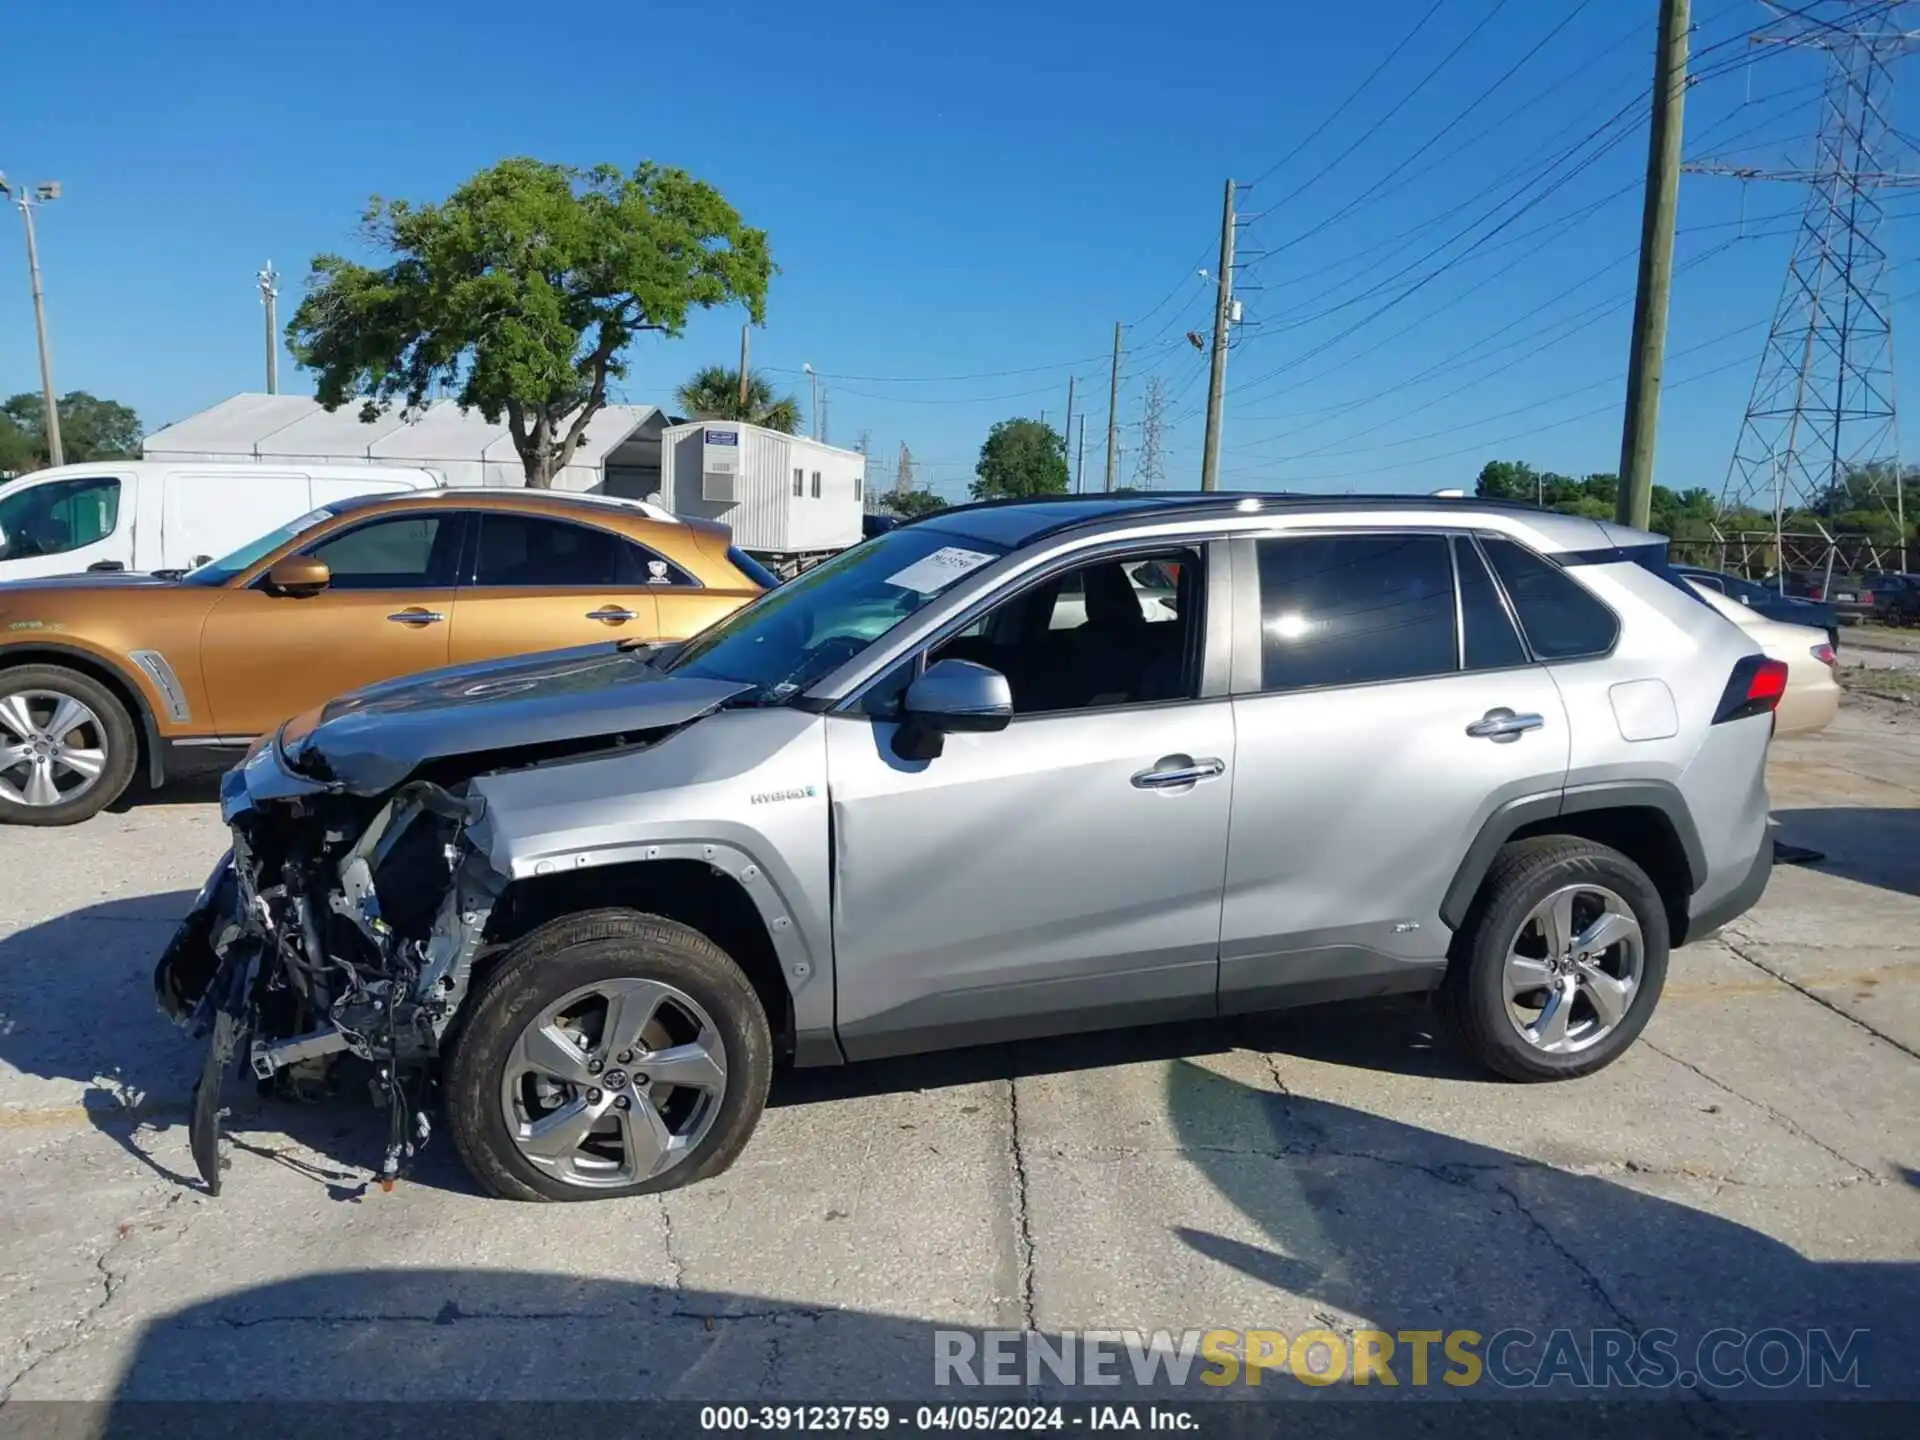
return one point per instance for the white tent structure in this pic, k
(619, 454)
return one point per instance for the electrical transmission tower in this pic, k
(1150, 470)
(1821, 435)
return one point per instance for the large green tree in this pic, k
(713, 393)
(90, 429)
(1021, 458)
(520, 293)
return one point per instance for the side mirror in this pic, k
(300, 576)
(952, 696)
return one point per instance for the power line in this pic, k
(1358, 90)
(1485, 94)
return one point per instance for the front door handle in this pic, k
(611, 615)
(1178, 772)
(1503, 727)
(416, 617)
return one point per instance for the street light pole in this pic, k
(270, 294)
(26, 199)
(816, 398)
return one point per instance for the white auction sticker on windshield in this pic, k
(933, 573)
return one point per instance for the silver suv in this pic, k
(1015, 770)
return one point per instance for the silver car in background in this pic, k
(1013, 770)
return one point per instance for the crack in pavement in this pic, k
(674, 1262)
(1779, 1117)
(111, 1281)
(1022, 1220)
(1729, 938)
(1591, 1280)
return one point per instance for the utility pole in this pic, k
(1113, 407)
(808, 368)
(744, 372)
(825, 397)
(1648, 355)
(1066, 430)
(1080, 460)
(269, 279)
(1217, 378)
(26, 198)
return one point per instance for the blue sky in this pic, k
(962, 200)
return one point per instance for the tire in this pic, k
(107, 732)
(1474, 995)
(603, 951)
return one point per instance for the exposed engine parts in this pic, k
(335, 926)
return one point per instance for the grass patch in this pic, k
(1888, 684)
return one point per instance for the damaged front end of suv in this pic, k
(348, 917)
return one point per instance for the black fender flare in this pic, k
(28, 652)
(1516, 815)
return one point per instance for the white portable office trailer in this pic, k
(790, 501)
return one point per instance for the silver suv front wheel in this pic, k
(1561, 962)
(608, 1053)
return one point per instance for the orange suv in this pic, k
(100, 672)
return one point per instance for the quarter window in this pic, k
(1562, 621)
(401, 552)
(1355, 609)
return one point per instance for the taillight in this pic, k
(1754, 688)
(1866, 597)
(1824, 654)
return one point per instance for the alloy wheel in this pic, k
(1573, 969)
(53, 748)
(614, 1083)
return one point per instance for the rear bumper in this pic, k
(1706, 920)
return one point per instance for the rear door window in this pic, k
(1355, 609)
(537, 552)
(1488, 639)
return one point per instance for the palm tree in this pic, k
(714, 394)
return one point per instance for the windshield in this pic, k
(792, 636)
(218, 572)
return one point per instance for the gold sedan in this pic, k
(100, 673)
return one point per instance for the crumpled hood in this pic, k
(369, 740)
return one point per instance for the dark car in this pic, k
(1896, 599)
(1768, 601)
(1852, 596)
(872, 524)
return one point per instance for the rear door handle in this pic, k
(1178, 772)
(416, 617)
(611, 615)
(1503, 727)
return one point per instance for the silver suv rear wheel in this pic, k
(1572, 969)
(1560, 962)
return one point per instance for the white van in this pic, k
(153, 515)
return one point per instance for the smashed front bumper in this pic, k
(335, 925)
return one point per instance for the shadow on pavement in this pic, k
(1400, 1228)
(1871, 845)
